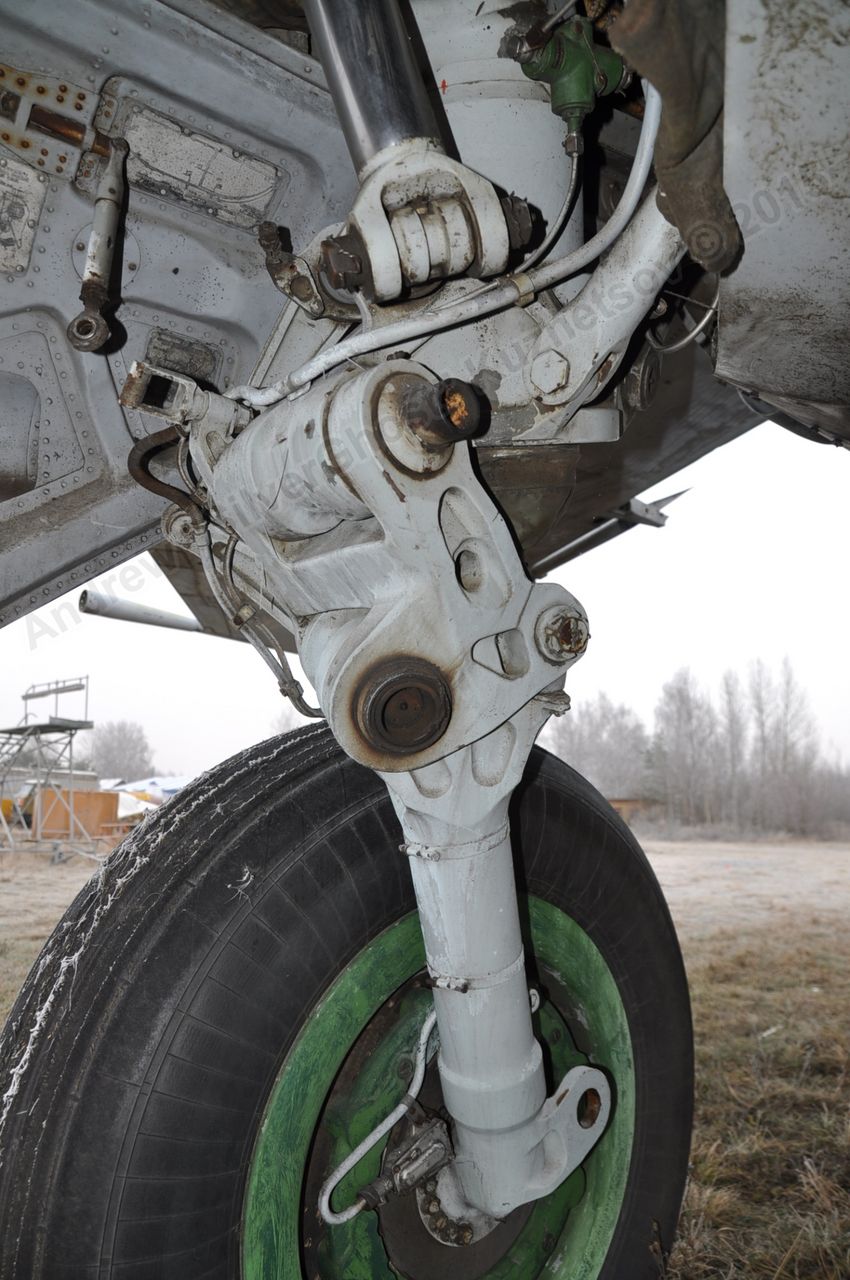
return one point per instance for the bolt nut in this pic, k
(641, 383)
(561, 634)
(518, 220)
(550, 372)
(177, 527)
(402, 706)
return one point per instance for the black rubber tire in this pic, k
(139, 1055)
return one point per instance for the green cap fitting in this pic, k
(577, 70)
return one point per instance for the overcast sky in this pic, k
(752, 563)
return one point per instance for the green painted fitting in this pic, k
(577, 70)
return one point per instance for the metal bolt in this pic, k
(561, 634)
(518, 220)
(550, 372)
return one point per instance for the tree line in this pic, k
(747, 758)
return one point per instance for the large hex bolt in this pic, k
(550, 372)
(442, 413)
(561, 634)
(402, 705)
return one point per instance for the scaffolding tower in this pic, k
(44, 748)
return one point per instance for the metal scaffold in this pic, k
(37, 782)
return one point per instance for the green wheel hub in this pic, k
(581, 1019)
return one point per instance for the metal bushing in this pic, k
(403, 705)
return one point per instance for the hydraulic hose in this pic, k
(390, 1121)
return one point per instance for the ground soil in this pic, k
(764, 930)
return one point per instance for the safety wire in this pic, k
(398, 1113)
(667, 348)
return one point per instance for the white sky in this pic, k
(752, 562)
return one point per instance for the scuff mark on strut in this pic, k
(398, 493)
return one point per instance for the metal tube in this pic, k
(461, 899)
(371, 70)
(129, 611)
(89, 330)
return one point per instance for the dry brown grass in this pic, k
(34, 893)
(769, 1197)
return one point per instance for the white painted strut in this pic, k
(512, 1145)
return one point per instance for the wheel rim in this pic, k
(581, 1018)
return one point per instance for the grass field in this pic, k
(769, 1195)
(765, 930)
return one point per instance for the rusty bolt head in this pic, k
(561, 634)
(550, 372)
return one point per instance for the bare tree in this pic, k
(763, 710)
(687, 751)
(749, 759)
(120, 749)
(606, 743)
(795, 755)
(734, 736)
